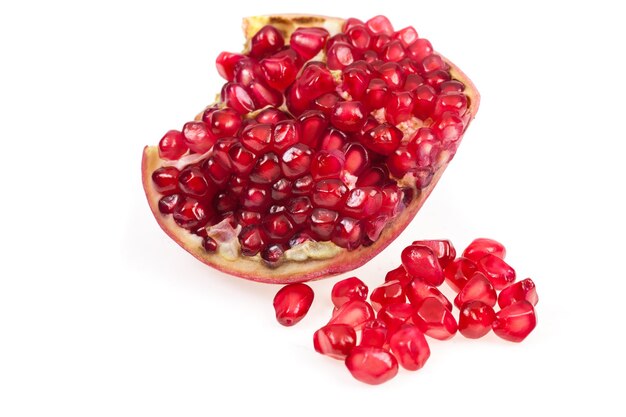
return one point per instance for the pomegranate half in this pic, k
(327, 138)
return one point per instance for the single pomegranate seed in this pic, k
(236, 97)
(475, 319)
(266, 41)
(225, 122)
(393, 51)
(380, 24)
(334, 340)
(267, 169)
(237, 185)
(389, 293)
(384, 139)
(425, 152)
(307, 42)
(197, 137)
(280, 71)
(333, 140)
(172, 145)
(256, 198)
(225, 64)
(452, 86)
(216, 171)
(221, 148)
(225, 202)
(436, 78)
(272, 254)
(454, 102)
(285, 135)
(398, 274)
(303, 185)
(497, 271)
(299, 208)
(374, 333)
(376, 94)
(406, 36)
(515, 322)
(458, 272)
(347, 233)
(329, 194)
(322, 222)
(350, 22)
(355, 82)
(478, 288)
(165, 179)
(399, 107)
(483, 246)
(523, 290)
(312, 125)
(395, 315)
(425, 97)
(278, 226)
(296, 160)
(192, 182)
(417, 291)
(400, 162)
(433, 62)
(297, 102)
(339, 55)
(326, 102)
(248, 70)
(392, 203)
(263, 95)
(315, 80)
(299, 238)
(241, 159)
(443, 249)
(372, 228)
(257, 138)
(246, 218)
(169, 203)
(363, 202)
(357, 158)
(209, 244)
(281, 189)
(191, 214)
(270, 116)
(421, 262)
(410, 347)
(348, 116)
(371, 365)
(360, 37)
(353, 313)
(434, 319)
(412, 82)
(448, 127)
(327, 164)
(347, 290)
(375, 176)
(292, 302)
(420, 49)
(393, 75)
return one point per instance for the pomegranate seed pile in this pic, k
(375, 338)
(313, 138)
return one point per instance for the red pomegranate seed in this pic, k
(475, 319)
(374, 333)
(225, 202)
(355, 82)
(339, 55)
(197, 137)
(454, 102)
(412, 82)
(371, 365)
(315, 80)
(326, 102)
(272, 254)
(241, 159)
(421, 262)
(448, 127)
(172, 145)
(256, 198)
(236, 97)
(296, 160)
(312, 125)
(263, 95)
(224, 122)
(359, 37)
(270, 116)
(220, 151)
(237, 185)
(384, 139)
(266, 41)
(497, 271)
(417, 291)
(347, 290)
(407, 36)
(376, 94)
(515, 322)
(303, 185)
(278, 226)
(434, 319)
(281, 189)
(523, 290)
(246, 218)
(353, 313)
(483, 246)
(443, 249)
(392, 203)
(248, 70)
(169, 203)
(433, 62)
(425, 152)
(348, 116)
(398, 274)
(363, 202)
(350, 22)
(347, 233)
(329, 194)
(392, 74)
(478, 288)
(209, 244)
(165, 179)
(436, 78)
(399, 107)
(357, 158)
(280, 71)
(372, 228)
(292, 302)
(267, 169)
(307, 42)
(333, 140)
(389, 293)
(458, 272)
(192, 182)
(393, 51)
(322, 222)
(380, 24)
(410, 347)
(335, 340)
(452, 86)
(191, 214)
(285, 135)
(425, 97)
(395, 315)
(225, 64)
(375, 176)
(400, 162)
(420, 49)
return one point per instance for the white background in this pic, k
(102, 315)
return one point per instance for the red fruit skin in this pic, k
(371, 365)
(334, 340)
(515, 322)
(443, 249)
(497, 271)
(410, 347)
(483, 246)
(522, 290)
(421, 262)
(347, 290)
(417, 291)
(475, 319)
(435, 320)
(353, 313)
(374, 333)
(292, 302)
(478, 288)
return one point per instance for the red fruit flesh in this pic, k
(323, 184)
(410, 347)
(292, 302)
(483, 246)
(434, 319)
(475, 319)
(347, 290)
(515, 322)
(421, 262)
(371, 365)
(334, 340)
(522, 290)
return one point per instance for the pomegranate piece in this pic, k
(362, 202)
(478, 288)
(475, 319)
(172, 145)
(410, 347)
(354, 313)
(421, 262)
(389, 293)
(483, 246)
(434, 319)
(522, 290)
(515, 322)
(417, 291)
(327, 164)
(334, 340)
(292, 302)
(443, 249)
(347, 290)
(395, 315)
(374, 333)
(347, 233)
(497, 271)
(371, 365)
(296, 160)
(458, 272)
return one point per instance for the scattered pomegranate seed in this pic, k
(522, 290)
(421, 262)
(334, 340)
(371, 365)
(417, 291)
(443, 250)
(395, 315)
(497, 271)
(475, 319)
(458, 272)
(410, 347)
(398, 274)
(434, 319)
(374, 333)
(292, 302)
(478, 288)
(225, 64)
(347, 290)
(389, 293)
(515, 322)
(483, 246)
(353, 313)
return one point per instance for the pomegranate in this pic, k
(292, 302)
(326, 139)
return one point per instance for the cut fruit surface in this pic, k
(326, 140)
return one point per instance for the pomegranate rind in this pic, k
(254, 268)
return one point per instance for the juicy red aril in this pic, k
(322, 222)
(225, 64)
(246, 218)
(436, 78)
(421, 262)
(242, 160)
(307, 42)
(452, 86)
(292, 302)
(380, 24)
(278, 226)
(426, 152)
(257, 138)
(412, 82)
(374, 333)
(192, 182)
(371, 365)
(296, 160)
(285, 135)
(248, 70)
(264, 96)
(393, 51)
(266, 41)
(220, 150)
(448, 127)
(256, 198)
(326, 102)
(315, 80)
(376, 94)
(303, 185)
(420, 49)
(359, 37)
(280, 71)
(406, 36)
(225, 122)
(434, 319)
(339, 55)
(515, 322)
(389, 293)
(475, 319)
(168, 204)
(191, 214)
(497, 271)
(355, 82)
(399, 107)
(312, 125)
(393, 75)
(400, 162)
(351, 22)
(398, 274)
(251, 240)
(348, 116)
(334, 340)
(458, 272)
(299, 208)
(333, 140)
(363, 202)
(348, 289)
(383, 139)
(454, 102)
(347, 233)
(165, 179)
(433, 62)
(417, 291)
(267, 169)
(225, 202)
(329, 194)
(209, 244)
(172, 145)
(236, 97)
(375, 176)
(281, 189)
(483, 246)
(410, 347)
(523, 290)
(327, 164)
(443, 249)
(424, 103)
(478, 288)
(272, 253)
(270, 116)
(357, 158)
(353, 313)
(216, 171)
(395, 315)
(197, 137)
